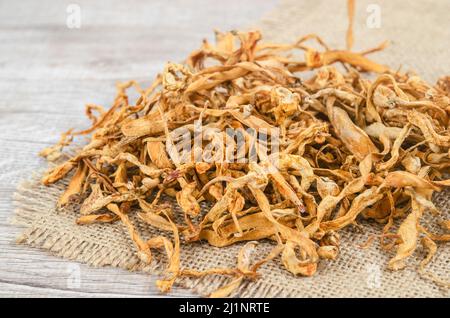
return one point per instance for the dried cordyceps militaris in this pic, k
(347, 147)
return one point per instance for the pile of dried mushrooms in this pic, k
(349, 148)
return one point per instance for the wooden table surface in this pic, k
(48, 71)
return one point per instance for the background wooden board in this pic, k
(49, 71)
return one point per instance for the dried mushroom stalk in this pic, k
(348, 148)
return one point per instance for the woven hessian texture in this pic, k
(420, 41)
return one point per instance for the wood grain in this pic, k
(48, 72)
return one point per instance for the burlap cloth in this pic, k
(420, 33)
